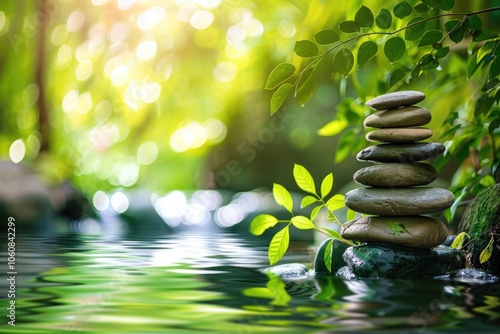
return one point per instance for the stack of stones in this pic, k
(396, 198)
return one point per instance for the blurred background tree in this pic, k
(169, 94)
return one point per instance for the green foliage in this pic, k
(280, 241)
(421, 40)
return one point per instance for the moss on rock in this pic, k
(481, 222)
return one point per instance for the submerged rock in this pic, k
(411, 231)
(383, 261)
(337, 260)
(399, 201)
(288, 271)
(482, 223)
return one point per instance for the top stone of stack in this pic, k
(395, 100)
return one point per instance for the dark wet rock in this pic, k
(345, 273)
(398, 201)
(476, 274)
(382, 261)
(395, 118)
(399, 135)
(481, 221)
(289, 271)
(404, 153)
(396, 175)
(411, 231)
(396, 99)
(337, 260)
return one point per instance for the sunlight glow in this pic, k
(100, 200)
(75, 21)
(150, 18)
(201, 20)
(146, 49)
(119, 202)
(84, 103)
(3, 22)
(225, 71)
(126, 4)
(187, 11)
(64, 55)
(215, 130)
(193, 135)
(287, 29)
(83, 70)
(17, 151)
(120, 75)
(118, 32)
(99, 2)
(171, 206)
(147, 153)
(59, 35)
(70, 101)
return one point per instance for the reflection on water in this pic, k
(209, 282)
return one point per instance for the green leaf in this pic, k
(486, 253)
(307, 86)
(325, 37)
(446, 5)
(366, 51)
(343, 62)
(364, 17)
(474, 22)
(472, 65)
(487, 181)
(495, 68)
(394, 49)
(402, 9)
(349, 26)
(261, 223)
(485, 35)
(336, 202)
(308, 200)
(344, 146)
(315, 211)
(459, 240)
(428, 62)
(327, 256)
(332, 233)
(278, 245)
(384, 19)
(456, 30)
(280, 96)
(302, 223)
(304, 179)
(483, 105)
(413, 33)
(279, 74)
(282, 196)
(454, 207)
(415, 72)
(495, 124)
(351, 214)
(430, 37)
(432, 3)
(490, 84)
(397, 75)
(441, 53)
(326, 185)
(421, 8)
(306, 49)
(333, 128)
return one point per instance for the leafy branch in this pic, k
(280, 242)
(416, 30)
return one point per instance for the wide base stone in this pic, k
(383, 261)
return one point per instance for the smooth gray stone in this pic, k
(395, 118)
(399, 135)
(396, 99)
(404, 153)
(396, 175)
(399, 201)
(384, 261)
(411, 231)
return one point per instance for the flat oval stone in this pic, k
(394, 118)
(399, 135)
(411, 231)
(396, 175)
(395, 100)
(399, 201)
(405, 153)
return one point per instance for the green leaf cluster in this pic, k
(318, 199)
